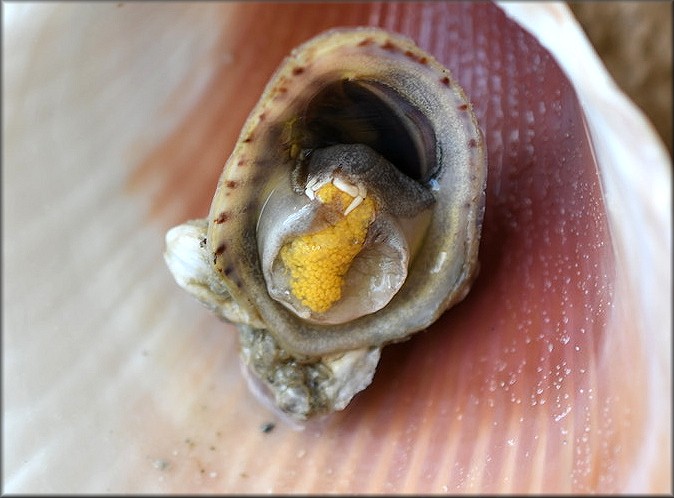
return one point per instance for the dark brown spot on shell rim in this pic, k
(415, 57)
(388, 45)
(472, 143)
(222, 217)
(445, 81)
(221, 248)
(463, 107)
(231, 184)
(366, 41)
(298, 70)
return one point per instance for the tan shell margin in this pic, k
(441, 274)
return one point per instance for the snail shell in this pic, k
(347, 217)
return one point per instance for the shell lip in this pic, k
(458, 147)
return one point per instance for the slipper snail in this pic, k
(347, 217)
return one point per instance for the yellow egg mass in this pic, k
(319, 261)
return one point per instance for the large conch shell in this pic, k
(552, 376)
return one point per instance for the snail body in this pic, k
(347, 217)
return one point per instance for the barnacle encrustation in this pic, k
(347, 217)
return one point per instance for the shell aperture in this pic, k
(348, 215)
